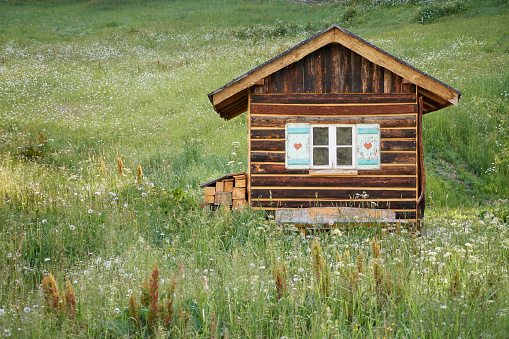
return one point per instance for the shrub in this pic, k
(432, 12)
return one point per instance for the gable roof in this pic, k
(232, 99)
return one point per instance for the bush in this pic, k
(434, 11)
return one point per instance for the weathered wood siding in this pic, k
(334, 69)
(334, 85)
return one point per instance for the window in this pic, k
(332, 146)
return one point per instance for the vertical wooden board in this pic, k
(356, 72)
(319, 71)
(257, 89)
(367, 76)
(345, 81)
(397, 83)
(387, 81)
(407, 87)
(266, 85)
(300, 76)
(377, 79)
(275, 82)
(329, 69)
(209, 199)
(309, 74)
(336, 68)
(289, 81)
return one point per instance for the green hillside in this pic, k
(86, 83)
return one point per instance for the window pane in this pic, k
(320, 136)
(343, 135)
(344, 156)
(320, 156)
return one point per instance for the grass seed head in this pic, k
(360, 261)
(102, 166)
(120, 166)
(375, 247)
(139, 174)
(153, 315)
(70, 301)
(42, 140)
(50, 293)
(280, 280)
(133, 307)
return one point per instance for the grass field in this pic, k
(83, 83)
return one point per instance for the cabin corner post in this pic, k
(249, 149)
(421, 170)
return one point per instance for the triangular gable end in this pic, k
(232, 99)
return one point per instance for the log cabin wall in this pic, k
(334, 85)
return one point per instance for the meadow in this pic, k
(89, 90)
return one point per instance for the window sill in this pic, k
(333, 172)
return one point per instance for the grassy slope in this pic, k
(103, 80)
(155, 62)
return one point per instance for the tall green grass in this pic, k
(108, 79)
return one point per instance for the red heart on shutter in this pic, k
(297, 146)
(368, 146)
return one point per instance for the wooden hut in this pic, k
(335, 130)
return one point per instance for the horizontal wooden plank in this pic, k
(268, 134)
(321, 216)
(397, 133)
(279, 168)
(328, 203)
(267, 145)
(279, 145)
(332, 110)
(350, 98)
(398, 145)
(282, 181)
(267, 157)
(327, 193)
(397, 158)
(279, 133)
(391, 170)
(384, 121)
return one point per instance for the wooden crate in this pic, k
(228, 185)
(239, 193)
(223, 198)
(210, 190)
(240, 181)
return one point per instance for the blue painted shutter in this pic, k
(368, 146)
(297, 146)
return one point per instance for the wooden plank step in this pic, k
(332, 215)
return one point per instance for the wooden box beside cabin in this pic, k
(335, 78)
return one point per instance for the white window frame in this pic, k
(332, 147)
